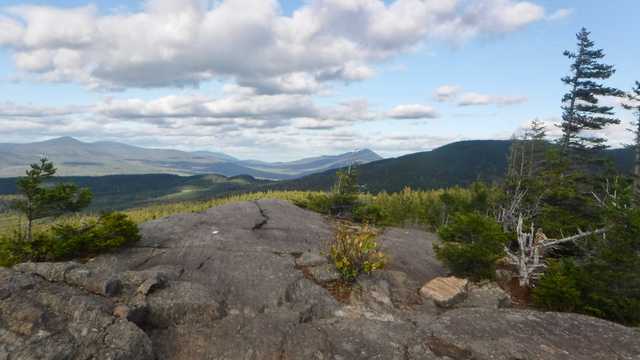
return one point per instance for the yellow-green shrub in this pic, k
(355, 251)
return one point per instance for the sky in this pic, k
(281, 80)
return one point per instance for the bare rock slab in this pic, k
(225, 284)
(446, 291)
(311, 259)
(488, 295)
(525, 334)
(324, 273)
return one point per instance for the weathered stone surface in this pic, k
(311, 259)
(48, 270)
(446, 292)
(488, 295)
(225, 284)
(183, 303)
(411, 252)
(324, 273)
(51, 320)
(523, 334)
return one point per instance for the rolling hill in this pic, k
(76, 158)
(114, 192)
(459, 163)
(456, 164)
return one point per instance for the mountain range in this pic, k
(76, 158)
(455, 164)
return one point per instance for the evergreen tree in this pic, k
(39, 201)
(634, 104)
(581, 108)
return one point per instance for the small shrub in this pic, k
(68, 240)
(471, 245)
(355, 251)
(320, 203)
(12, 249)
(110, 231)
(557, 289)
(368, 213)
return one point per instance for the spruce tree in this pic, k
(634, 104)
(39, 200)
(581, 108)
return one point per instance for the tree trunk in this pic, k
(29, 225)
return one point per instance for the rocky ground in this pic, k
(248, 281)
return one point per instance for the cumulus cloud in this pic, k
(448, 93)
(412, 111)
(189, 114)
(186, 42)
(477, 99)
(256, 107)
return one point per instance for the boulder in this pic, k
(446, 291)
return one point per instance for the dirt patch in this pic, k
(520, 295)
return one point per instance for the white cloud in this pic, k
(11, 110)
(186, 42)
(477, 99)
(446, 92)
(559, 14)
(412, 111)
(239, 106)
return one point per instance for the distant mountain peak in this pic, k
(367, 152)
(366, 155)
(63, 140)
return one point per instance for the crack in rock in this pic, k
(149, 258)
(265, 217)
(201, 265)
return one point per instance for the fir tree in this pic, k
(40, 201)
(581, 108)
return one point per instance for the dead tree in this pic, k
(529, 258)
(525, 161)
